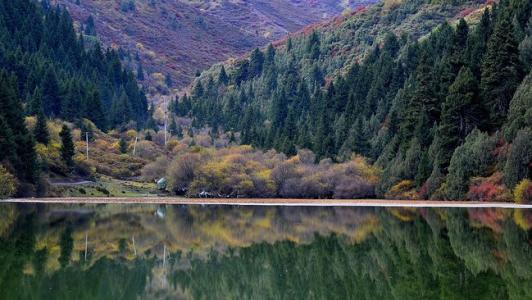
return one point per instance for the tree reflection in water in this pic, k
(259, 252)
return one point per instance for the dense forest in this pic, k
(447, 115)
(49, 71)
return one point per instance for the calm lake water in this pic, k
(214, 252)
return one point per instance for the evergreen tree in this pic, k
(222, 76)
(51, 94)
(501, 71)
(140, 71)
(90, 28)
(94, 110)
(17, 141)
(459, 115)
(123, 145)
(173, 127)
(41, 129)
(67, 146)
(256, 63)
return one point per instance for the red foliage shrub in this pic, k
(488, 189)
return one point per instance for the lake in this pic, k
(141, 251)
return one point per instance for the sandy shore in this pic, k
(275, 202)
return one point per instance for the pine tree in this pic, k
(501, 71)
(41, 129)
(459, 45)
(7, 144)
(222, 76)
(94, 110)
(122, 145)
(35, 105)
(90, 27)
(67, 146)
(313, 45)
(459, 115)
(256, 62)
(52, 101)
(173, 127)
(140, 71)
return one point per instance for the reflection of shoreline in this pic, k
(278, 202)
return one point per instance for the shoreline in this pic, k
(271, 202)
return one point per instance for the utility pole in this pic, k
(135, 145)
(87, 142)
(86, 244)
(165, 120)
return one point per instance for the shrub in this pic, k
(523, 192)
(8, 183)
(146, 150)
(156, 169)
(404, 190)
(182, 171)
(488, 189)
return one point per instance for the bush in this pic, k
(156, 169)
(404, 190)
(523, 192)
(243, 171)
(8, 183)
(182, 171)
(488, 189)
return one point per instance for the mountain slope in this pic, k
(48, 71)
(378, 84)
(178, 38)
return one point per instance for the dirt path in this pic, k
(69, 182)
(277, 202)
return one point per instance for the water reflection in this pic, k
(194, 252)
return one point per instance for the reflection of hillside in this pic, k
(191, 228)
(258, 252)
(431, 256)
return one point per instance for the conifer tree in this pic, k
(94, 110)
(459, 115)
(122, 145)
(41, 129)
(51, 95)
(222, 76)
(256, 63)
(67, 146)
(140, 71)
(501, 71)
(173, 126)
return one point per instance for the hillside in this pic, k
(175, 39)
(411, 85)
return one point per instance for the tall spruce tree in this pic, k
(41, 129)
(459, 115)
(501, 71)
(67, 146)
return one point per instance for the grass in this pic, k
(108, 187)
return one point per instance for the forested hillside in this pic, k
(48, 71)
(445, 115)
